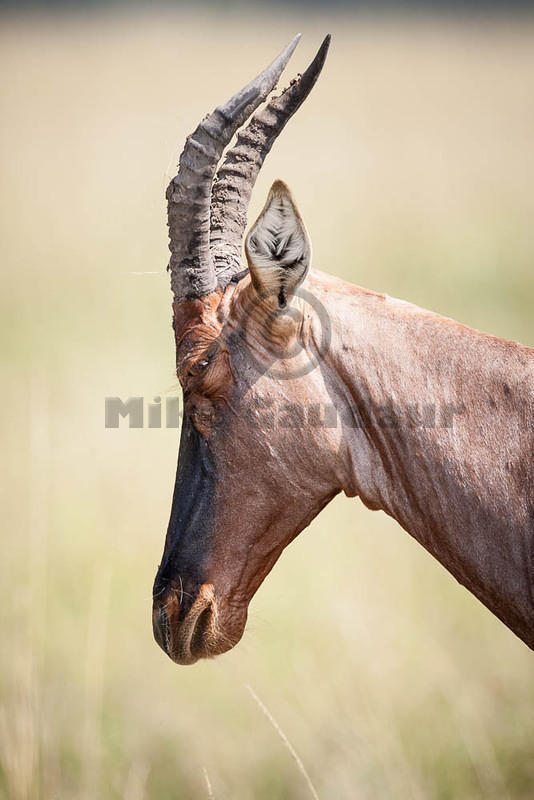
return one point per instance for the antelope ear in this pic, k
(278, 247)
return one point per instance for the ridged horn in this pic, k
(237, 175)
(189, 193)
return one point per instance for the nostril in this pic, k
(165, 610)
(198, 639)
(186, 631)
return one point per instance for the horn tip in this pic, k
(290, 49)
(318, 62)
(326, 41)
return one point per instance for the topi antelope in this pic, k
(267, 356)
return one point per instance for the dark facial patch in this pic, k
(188, 541)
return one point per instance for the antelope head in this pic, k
(244, 487)
(258, 460)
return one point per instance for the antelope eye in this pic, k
(199, 367)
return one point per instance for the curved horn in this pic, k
(237, 175)
(188, 194)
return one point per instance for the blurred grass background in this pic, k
(413, 165)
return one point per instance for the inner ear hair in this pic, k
(278, 248)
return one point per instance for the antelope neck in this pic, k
(438, 432)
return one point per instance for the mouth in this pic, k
(198, 635)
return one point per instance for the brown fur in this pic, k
(465, 492)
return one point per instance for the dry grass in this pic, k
(389, 680)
